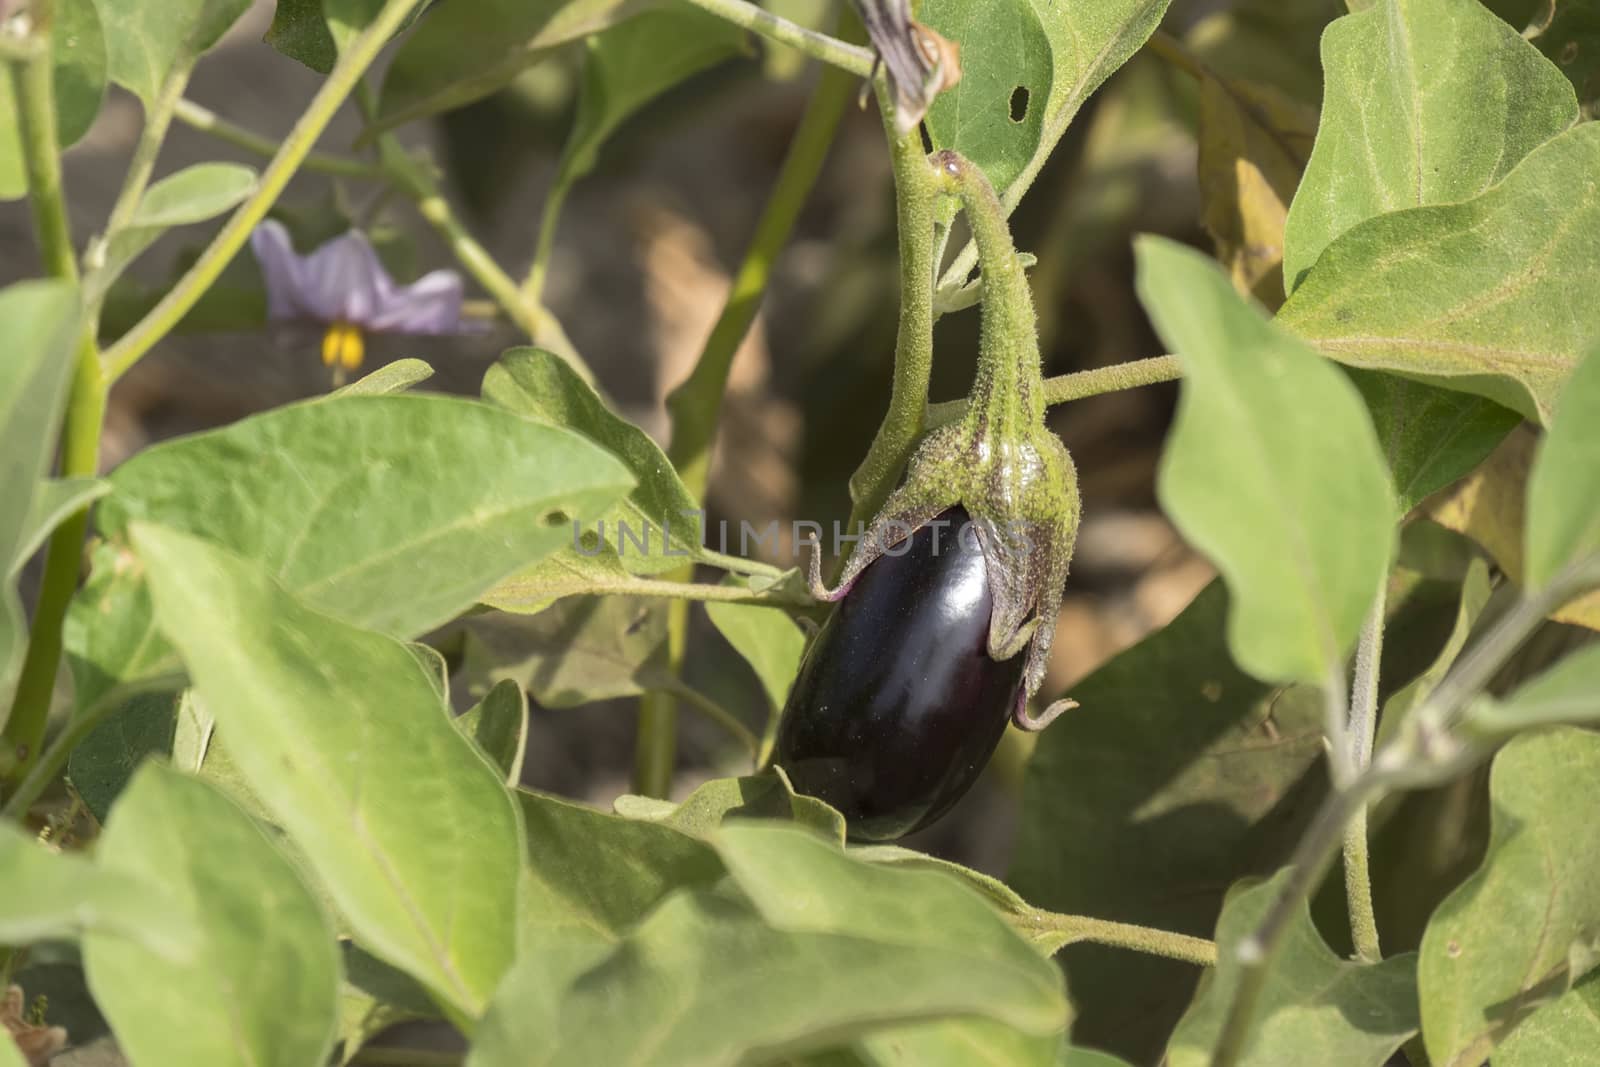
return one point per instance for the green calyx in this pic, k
(999, 461)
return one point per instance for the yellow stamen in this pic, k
(344, 345)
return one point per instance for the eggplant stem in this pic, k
(1030, 723)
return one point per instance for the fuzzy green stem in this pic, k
(157, 119)
(903, 424)
(207, 121)
(1145, 939)
(1008, 391)
(1393, 765)
(1080, 385)
(80, 443)
(841, 55)
(544, 248)
(1361, 730)
(166, 315)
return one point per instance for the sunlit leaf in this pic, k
(1490, 296)
(54, 500)
(259, 987)
(192, 195)
(1522, 929)
(54, 896)
(339, 732)
(1302, 526)
(1426, 102)
(1569, 692)
(147, 40)
(1564, 1033)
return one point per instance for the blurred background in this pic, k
(643, 255)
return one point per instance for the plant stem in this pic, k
(913, 352)
(1397, 763)
(34, 82)
(1361, 730)
(1145, 939)
(161, 319)
(544, 246)
(696, 405)
(841, 55)
(719, 715)
(151, 137)
(80, 444)
(205, 120)
(1065, 388)
(1176, 53)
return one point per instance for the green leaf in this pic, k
(499, 725)
(192, 195)
(113, 649)
(149, 39)
(1430, 436)
(661, 516)
(300, 32)
(1522, 929)
(808, 961)
(38, 324)
(602, 873)
(394, 377)
(768, 639)
(468, 49)
(1568, 692)
(1564, 1033)
(1426, 102)
(1563, 520)
(1059, 54)
(78, 53)
(1302, 527)
(1178, 776)
(345, 500)
(10, 1054)
(1353, 1014)
(1489, 296)
(103, 763)
(57, 896)
(994, 116)
(54, 501)
(260, 987)
(577, 652)
(341, 735)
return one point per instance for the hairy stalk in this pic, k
(1397, 763)
(1080, 385)
(1145, 939)
(207, 121)
(696, 405)
(157, 119)
(841, 55)
(1361, 730)
(80, 443)
(166, 315)
(905, 420)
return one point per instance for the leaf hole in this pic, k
(590, 542)
(555, 518)
(1019, 103)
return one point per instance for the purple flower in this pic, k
(344, 287)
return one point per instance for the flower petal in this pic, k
(429, 305)
(282, 271)
(345, 282)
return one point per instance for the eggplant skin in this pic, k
(898, 705)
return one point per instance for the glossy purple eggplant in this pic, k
(898, 704)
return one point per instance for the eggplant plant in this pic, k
(275, 696)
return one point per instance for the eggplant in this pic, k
(898, 704)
